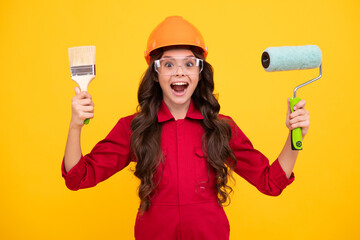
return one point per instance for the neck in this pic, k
(178, 111)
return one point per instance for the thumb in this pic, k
(77, 90)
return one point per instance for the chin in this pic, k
(180, 101)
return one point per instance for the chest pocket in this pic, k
(202, 169)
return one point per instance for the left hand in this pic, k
(299, 118)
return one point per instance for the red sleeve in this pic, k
(254, 167)
(108, 156)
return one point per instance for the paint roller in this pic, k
(293, 58)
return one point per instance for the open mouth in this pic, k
(179, 87)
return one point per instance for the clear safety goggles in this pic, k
(170, 65)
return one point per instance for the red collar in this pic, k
(165, 115)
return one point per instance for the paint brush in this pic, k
(82, 66)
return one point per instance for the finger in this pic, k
(299, 112)
(299, 119)
(88, 115)
(78, 108)
(85, 115)
(82, 95)
(81, 102)
(302, 124)
(87, 95)
(300, 104)
(77, 90)
(85, 102)
(86, 109)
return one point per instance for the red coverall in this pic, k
(184, 204)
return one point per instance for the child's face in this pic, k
(178, 88)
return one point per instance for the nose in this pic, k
(179, 72)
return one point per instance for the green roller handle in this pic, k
(296, 135)
(86, 121)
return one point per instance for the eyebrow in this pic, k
(175, 57)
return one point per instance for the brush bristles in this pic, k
(79, 56)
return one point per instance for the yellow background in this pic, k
(36, 92)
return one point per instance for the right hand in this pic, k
(82, 108)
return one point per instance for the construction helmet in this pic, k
(172, 31)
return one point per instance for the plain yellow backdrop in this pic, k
(35, 107)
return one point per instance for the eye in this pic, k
(189, 64)
(168, 64)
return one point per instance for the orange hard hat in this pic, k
(172, 31)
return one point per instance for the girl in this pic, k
(184, 150)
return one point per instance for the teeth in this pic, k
(179, 83)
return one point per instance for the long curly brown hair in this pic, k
(146, 132)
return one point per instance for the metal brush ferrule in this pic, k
(312, 80)
(82, 70)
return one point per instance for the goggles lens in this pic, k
(170, 66)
